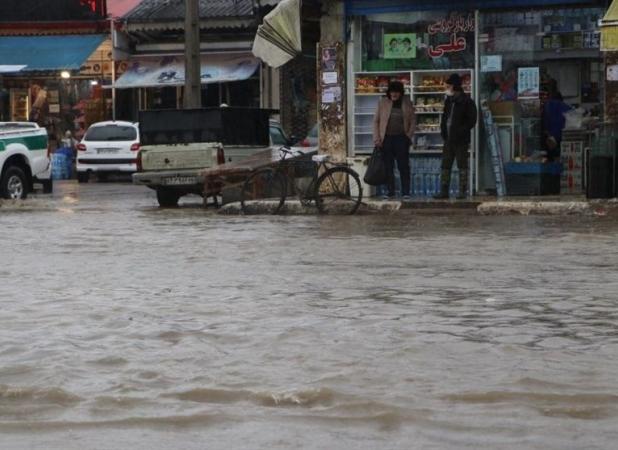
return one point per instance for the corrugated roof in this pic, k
(154, 10)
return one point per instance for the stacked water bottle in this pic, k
(426, 177)
(61, 164)
(425, 174)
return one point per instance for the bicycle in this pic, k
(334, 187)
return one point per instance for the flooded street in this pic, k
(124, 326)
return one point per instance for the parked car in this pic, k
(312, 138)
(108, 147)
(278, 137)
(24, 159)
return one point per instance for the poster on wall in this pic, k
(528, 82)
(612, 72)
(331, 94)
(329, 59)
(400, 46)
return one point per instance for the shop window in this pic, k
(162, 98)
(211, 95)
(418, 41)
(245, 93)
(526, 59)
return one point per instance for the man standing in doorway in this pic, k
(458, 120)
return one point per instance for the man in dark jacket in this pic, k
(458, 120)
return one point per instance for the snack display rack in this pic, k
(368, 88)
(426, 89)
(428, 94)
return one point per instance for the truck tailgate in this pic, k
(179, 156)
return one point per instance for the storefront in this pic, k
(55, 81)
(156, 81)
(514, 56)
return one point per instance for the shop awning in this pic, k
(609, 29)
(278, 39)
(11, 68)
(365, 7)
(45, 53)
(159, 71)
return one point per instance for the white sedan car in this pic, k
(108, 147)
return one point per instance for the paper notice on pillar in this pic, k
(528, 82)
(330, 78)
(331, 94)
(612, 73)
(54, 109)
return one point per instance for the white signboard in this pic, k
(170, 70)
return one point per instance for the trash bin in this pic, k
(601, 177)
(531, 178)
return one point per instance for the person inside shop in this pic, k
(458, 120)
(553, 121)
(70, 142)
(393, 128)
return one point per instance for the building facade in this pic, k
(55, 56)
(513, 57)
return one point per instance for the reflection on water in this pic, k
(124, 326)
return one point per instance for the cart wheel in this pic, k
(266, 185)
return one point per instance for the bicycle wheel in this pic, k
(263, 185)
(338, 191)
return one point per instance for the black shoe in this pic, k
(440, 196)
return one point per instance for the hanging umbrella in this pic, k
(278, 39)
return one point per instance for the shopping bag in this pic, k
(376, 169)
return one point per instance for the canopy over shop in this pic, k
(53, 80)
(515, 55)
(159, 79)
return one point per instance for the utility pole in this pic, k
(193, 93)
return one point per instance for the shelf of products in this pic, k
(428, 95)
(20, 105)
(377, 83)
(369, 88)
(426, 90)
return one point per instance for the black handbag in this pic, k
(376, 169)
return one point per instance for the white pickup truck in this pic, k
(24, 159)
(177, 145)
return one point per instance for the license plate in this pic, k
(179, 181)
(107, 151)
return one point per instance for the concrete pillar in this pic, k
(332, 114)
(193, 93)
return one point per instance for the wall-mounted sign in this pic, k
(612, 73)
(491, 63)
(400, 46)
(455, 44)
(450, 26)
(453, 24)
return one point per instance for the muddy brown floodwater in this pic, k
(123, 326)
